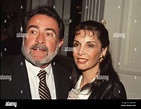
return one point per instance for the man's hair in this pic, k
(48, 11)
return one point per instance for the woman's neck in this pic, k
(89, 75)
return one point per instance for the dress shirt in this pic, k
(76, 92)
(34, 80)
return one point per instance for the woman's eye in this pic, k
(75, 44)
(91, 45)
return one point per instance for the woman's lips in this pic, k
(82, 60)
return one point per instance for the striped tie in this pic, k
(43, 89)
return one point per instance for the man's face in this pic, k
(42, 40)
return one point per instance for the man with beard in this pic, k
(43, 37)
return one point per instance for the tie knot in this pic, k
(42, 75)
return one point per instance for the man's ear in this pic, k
(61, 42)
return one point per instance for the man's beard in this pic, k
(45, 60)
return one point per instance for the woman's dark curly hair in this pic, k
(106, 67)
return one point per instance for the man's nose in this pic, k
(40, 39)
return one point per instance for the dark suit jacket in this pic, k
(18, 87)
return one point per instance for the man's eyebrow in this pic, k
(51, 29)
(32, 26)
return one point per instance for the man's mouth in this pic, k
(37, 49)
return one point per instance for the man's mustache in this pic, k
(40, 47)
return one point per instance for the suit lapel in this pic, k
(57, 80)
(20, 79)
(61, 78)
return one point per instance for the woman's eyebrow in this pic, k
(91, 41)
(76, 41)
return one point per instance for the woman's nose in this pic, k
(81, 51)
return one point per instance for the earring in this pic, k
(101, 58)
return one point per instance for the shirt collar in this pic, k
(36, 69)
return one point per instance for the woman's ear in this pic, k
(104, 50)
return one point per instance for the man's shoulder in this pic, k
(64, 61)
(63, 57)
(8, 61)
(10, 58)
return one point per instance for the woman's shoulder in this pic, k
(116, 88)
(114, 82)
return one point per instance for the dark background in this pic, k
(13, 11)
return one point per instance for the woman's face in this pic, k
(87, 50)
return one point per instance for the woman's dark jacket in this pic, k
(103, 88)
(108, 89)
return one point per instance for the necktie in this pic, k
(43, 89)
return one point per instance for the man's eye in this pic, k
(32, 32)
(50, 34)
